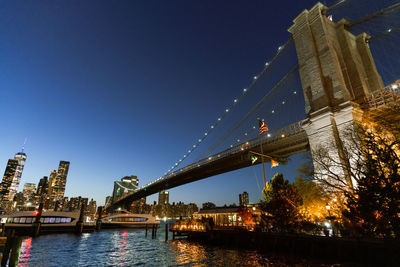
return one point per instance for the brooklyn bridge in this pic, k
(347, 66)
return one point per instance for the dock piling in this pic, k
(15, 251)
(146, 229)
(166, 232)
(6, 252)
(79, 224)
(98, 221)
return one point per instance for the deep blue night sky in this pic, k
(126, 87)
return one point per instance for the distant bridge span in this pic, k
(282, 143)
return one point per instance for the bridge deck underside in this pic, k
(280, 148)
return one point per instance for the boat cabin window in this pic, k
(42, 220)
(65, 220)
(129, 219)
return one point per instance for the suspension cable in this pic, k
(220, 119)
(244, 118)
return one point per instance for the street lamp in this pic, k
(329, 209)
(330, 218)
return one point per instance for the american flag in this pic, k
(263, 127)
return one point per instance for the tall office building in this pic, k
(29, 190)
(12, 175)
(163, 197)
(243, 199)
(43, 186)
(8, 177)
(52, 181)
(21, 157)
(126, 186)
(58, 181)
(92, 207)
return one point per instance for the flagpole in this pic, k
(262, 160)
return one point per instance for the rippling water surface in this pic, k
(132, 248)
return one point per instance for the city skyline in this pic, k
(97, 109)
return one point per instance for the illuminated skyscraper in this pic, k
(29, 190)
(243, 199)
(43, 186)
(163, 197)
(12, 175)
(127, 185)
(8, 177)
(21, 157)
(58, 181)
(52, 181)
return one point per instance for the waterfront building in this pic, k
(92, 207)
(20, 201)
(126, 186)
(43, 186)
(29, 190)
(7, 178)
(163, 198)
(76, 203)
(243, 199)
(230, 216)
(140, 206)
(58, 181)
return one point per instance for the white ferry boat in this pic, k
(51, 221)
(126, 219)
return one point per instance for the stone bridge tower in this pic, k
(337, 71)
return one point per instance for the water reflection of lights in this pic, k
(186, 253)
(121, 249)
(191, 225)
(25, 252)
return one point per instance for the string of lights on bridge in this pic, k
(390, 30)
(244, 92)
(250, 112)
(273, 112)
(230, 108)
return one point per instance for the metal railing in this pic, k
(267, 138)
(388, 95)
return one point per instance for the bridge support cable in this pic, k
(274, 111)
(379, 13)
(235, 102)
(385, 49)
(247, 115)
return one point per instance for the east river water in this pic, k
(132, 248)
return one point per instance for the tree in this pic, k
(314, 200)
(375, 209)
(246, 216)
(208, 205)
(282, 202)
(371, 160)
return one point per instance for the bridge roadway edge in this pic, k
(282, 148)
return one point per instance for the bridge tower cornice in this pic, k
(335, 66)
